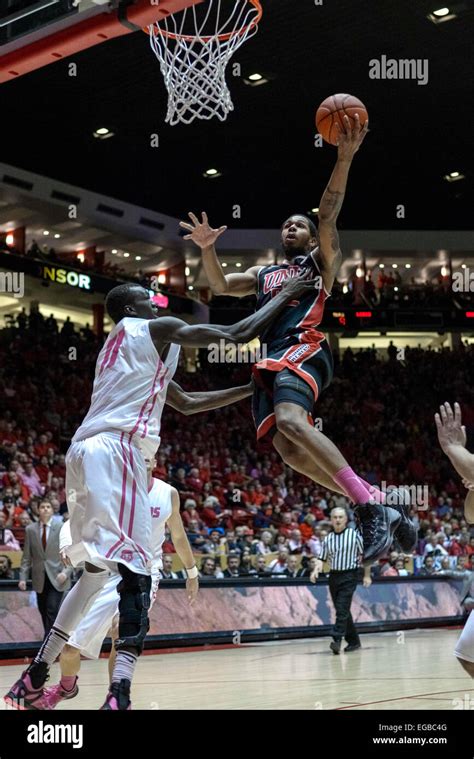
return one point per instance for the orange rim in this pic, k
(221, 37)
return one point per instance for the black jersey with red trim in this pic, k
(298, 321)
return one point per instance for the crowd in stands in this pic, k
(391, 289)
(246, 513)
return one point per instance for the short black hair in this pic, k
(118, 298)
(311, 224)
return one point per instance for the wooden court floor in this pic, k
(406, 671)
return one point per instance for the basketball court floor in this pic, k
(397, 671)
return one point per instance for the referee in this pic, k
(342, 549)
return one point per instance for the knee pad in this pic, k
(134, 590)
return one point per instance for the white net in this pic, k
(194, 48)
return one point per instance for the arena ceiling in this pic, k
(265, 150)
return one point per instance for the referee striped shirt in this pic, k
(342, 550)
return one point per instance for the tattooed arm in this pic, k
(329, 255)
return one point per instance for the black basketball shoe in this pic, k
(377, 525)
(118, 697)
(406, 534)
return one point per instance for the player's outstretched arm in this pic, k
(452, 439)
(204, 236)
(330, 256)
(193, 403)
(469, 508)
(168, 329)
(182, 546)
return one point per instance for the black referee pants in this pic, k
(49, 601)
(342, 586)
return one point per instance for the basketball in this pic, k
(331, 112)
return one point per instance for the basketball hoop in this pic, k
(194, 47)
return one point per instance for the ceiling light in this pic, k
(454, 176)
(114, 251)
(396, 289)
(238, 264)
(190, 287)
(463, 266)
(440, 15)
(9, 239)
(381, 266)
(444, 271)
(56, 236)
(255, 79)
(211, 173)
(103, 133)
(407, 266)
(359, 272)
(345, 289)
(126, 255)
(46, 233)
(394, 266)
(187, 271)
(161, 279)
(315, 210)
(224, 265)
(138, 258)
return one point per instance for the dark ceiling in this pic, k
(265, 149)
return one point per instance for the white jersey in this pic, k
(130, 386)
(161, 506)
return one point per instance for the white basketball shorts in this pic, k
(93, 628)
(108, 503)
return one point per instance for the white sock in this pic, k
(74, 607)
(124, 667)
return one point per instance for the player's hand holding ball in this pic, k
(343, 120)
(350, 138)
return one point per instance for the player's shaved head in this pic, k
(129, 300)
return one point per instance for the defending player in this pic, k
(299, 364)
(452, 439)
(106, 480)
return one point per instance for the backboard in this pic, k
(34, 33)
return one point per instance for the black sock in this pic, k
(38, 672)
